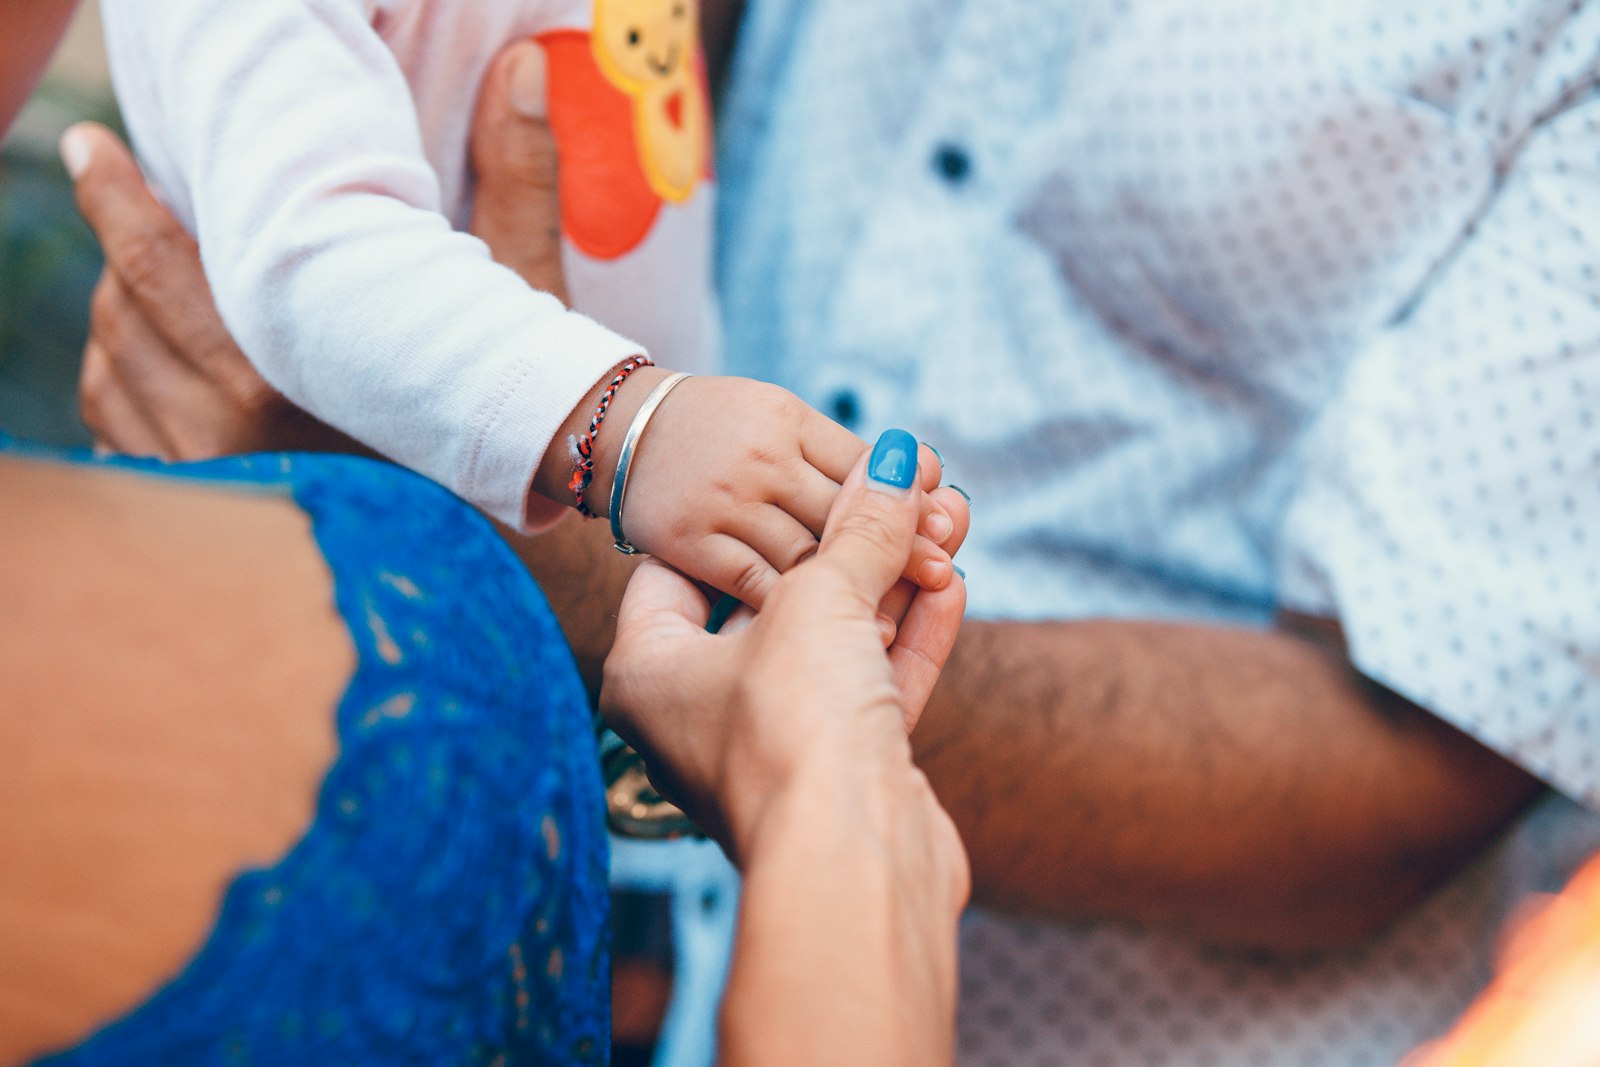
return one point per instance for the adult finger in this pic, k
(111, 409)
(170, 355)
(660, 601)
(146, 370)
(117, 425)
(930, 467)
(833, 450)
(145, 247)
(745, 616)
(922, 646)
(197, 406)
(663, 613)
(898, 601)
(516, 207)
(871, 532)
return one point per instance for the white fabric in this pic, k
(1215, 308)
(318, 150)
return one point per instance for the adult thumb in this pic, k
(516, 206)
(873, 524)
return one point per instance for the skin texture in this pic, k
(1247, 788)
(1244, 788)
(788, 739)
(180, 735)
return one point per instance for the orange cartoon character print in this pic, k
(631, 117)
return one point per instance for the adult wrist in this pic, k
(840, 783)
(881, 828)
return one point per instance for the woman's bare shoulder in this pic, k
(170, 661)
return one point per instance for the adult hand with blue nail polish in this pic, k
(786, 738)
(720, 717)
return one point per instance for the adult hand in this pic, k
(787, 739)
(162, 375)
(725, 720)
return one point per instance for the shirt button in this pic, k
(952, 162)
(846, 408)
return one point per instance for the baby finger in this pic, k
(930, 566)
(731, 566)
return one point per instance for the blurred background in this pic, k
(48, 260)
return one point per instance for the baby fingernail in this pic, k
(933, 573)
(894, 460)
(939, 527)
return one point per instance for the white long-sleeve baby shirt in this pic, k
(318, 150)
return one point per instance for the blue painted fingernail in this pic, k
(894, 460)
(936, 453)
(960, 572)
(964, 494)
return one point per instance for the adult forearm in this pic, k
(846, 951)
(583, 577)
(1244, 787)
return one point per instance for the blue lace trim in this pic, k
(448, 904)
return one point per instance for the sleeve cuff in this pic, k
(517, 425)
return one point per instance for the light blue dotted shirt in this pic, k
(1218, 308)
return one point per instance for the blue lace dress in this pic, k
(448, 904)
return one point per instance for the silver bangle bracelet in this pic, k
(619, 483)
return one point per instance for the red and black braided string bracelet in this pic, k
(583, 473)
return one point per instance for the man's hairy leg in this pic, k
(1241, 787)
(170, 659)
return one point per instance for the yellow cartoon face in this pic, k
(641, 43)
(649, 49)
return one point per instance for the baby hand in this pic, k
(732, 481)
